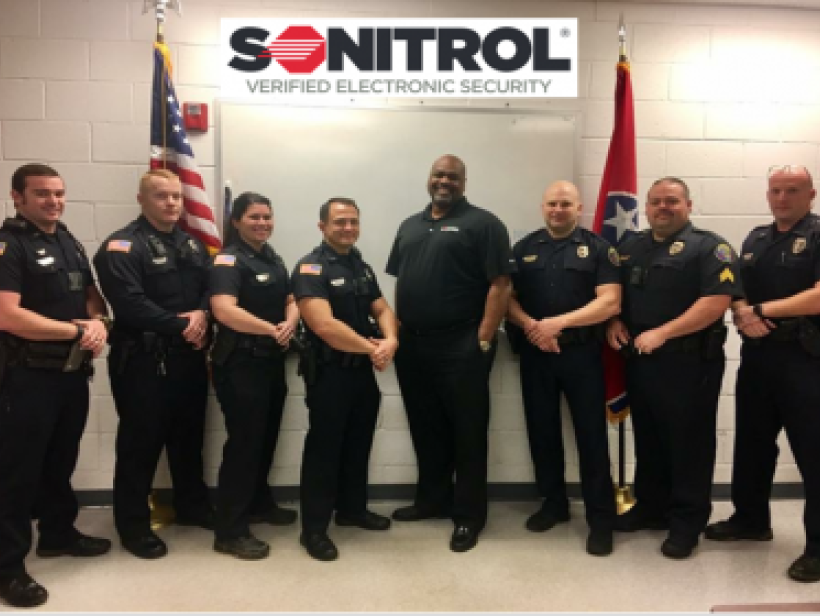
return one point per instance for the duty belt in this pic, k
(438, 331)
(260, 346)
(59, 356)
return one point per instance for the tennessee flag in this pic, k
(616, 212)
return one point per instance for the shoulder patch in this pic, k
(723, 253)
(614, 258)
(727, 275)
(118, 246)
(310, 268)
(229, 260)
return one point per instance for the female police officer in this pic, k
(253, 304)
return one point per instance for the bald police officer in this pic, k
(53, 322)
(154, 275)
(452, 262)
(777, 383)
(678, 282)
(567, 282)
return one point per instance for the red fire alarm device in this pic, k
(195, 116)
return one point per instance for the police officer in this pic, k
(453, 262)
(257, 316)
(154, 275)
(53, 322)
(678, 281)
(338, 295)
(777, 383)
(567, 282)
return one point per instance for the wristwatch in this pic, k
(80, 332)
(485, 345)
(758, 310)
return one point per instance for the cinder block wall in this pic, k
(721, 93)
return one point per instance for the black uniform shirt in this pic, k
(661, 280)
(557, 276)
(258, 280)
(51, 272)
(345, 281)
(776, 265)
(444, 266)
(149, 277)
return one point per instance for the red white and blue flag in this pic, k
(171, 150)
(617, 211)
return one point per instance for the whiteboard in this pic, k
(381, 157)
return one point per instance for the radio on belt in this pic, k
(195, 116)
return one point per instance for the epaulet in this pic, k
(15, 225)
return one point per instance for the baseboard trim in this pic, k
(401, 492)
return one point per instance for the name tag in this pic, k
(338, 282)
(45, 261)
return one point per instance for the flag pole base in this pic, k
(161, 514)
(623, 499)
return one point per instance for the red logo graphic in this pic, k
(299, 49)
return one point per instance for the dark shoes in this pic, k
(147, 546)
(319, 546)
(204, 519)
(599, 542)
(678, 548)
(275, 515)
(639, 519)
(245, 548)
(729, 530)
(22, 591)
(414, 513)
(82, 546)
(805, 569)
(543, 520)
(367, 520)
(464, 538)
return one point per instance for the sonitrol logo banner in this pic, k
(359, 58)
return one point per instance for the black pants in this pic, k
(674, 399)
(444, 381)
(158, 411)
(343, 406)
(42, 418)
(251, 391)
(577, 372)
(778, 386)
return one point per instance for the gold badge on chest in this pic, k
(676, 248)
(583, 251)
(799, 245)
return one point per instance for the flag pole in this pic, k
(624, 500)
(162, 514)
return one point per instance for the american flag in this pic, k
(617, 211)
(171, 150)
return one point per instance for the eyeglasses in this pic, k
(787, 169)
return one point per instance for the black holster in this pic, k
(224, 345)
(308, 364)
(713, 340)
(809, 336)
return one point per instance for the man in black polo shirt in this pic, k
(678, 281)
(567, 282)
(453, 262)
(777, 383)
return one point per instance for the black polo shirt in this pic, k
(775, 265)
(444, 266)
(150, 277)
(51, 272)
(258, 280)
(556, 276)
(661, 280)
(345, 281)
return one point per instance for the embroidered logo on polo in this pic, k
(227, 260)
(723, 253)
